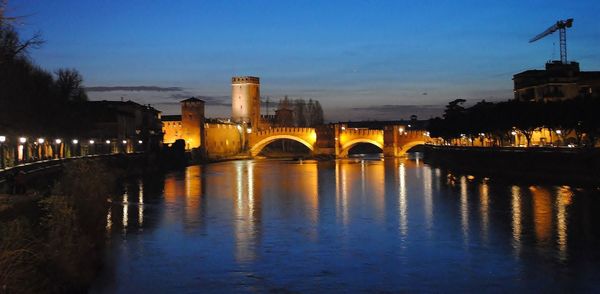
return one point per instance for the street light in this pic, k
(107, 141)
(75, 141)
(23, 140)
(58, 141)
(140, 142)
(41, 140)
(92, 142)
(124, 142)
(559, 132)
(2, 140)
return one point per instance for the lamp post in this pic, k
(57, 147)
(23, 148)
(2, 140)
(91, 148)
(41, 152)
(75, 151)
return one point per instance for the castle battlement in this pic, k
(285, 130)
(245, 80)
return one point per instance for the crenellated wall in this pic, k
(223, 140)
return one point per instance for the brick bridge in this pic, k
(338, 139)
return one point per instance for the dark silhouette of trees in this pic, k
(70, 85)
(11, 45)
(303, 114)
(497, 121)
(32, 102)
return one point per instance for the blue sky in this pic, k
(362, 59)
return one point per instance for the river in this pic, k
(355, 225)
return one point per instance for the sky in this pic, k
(363, 60)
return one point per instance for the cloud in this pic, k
(132, 89)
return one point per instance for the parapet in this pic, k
(245, 80)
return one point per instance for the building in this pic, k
(192, 122)
(245, 101)
(172, 129)
(188, 126)
(557, 81)
(124, 121)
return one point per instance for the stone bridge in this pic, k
(258, 140)
(336, 140)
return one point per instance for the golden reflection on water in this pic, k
(542, 213)
(563, 199)
(375, 183)
(125, 211)
(358, 184)
(140, 203)
(484, 207)
(341, 192)
(402, 205)
(516, 218)
(464, 208)
(428, 197)
(247, 211)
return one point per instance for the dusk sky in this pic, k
(360, 59)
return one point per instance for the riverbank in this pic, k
(565, 165)
(52, 238)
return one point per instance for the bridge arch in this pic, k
(258, 146)
(348, 145)
(407, 146)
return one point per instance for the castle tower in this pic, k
(192, 122)
(245, 100)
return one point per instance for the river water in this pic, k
(354, 225)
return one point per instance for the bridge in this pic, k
(337, 140)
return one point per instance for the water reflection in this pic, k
(428, 197)
(516, 218)
(140, 203)
(291, 225)
(247, 212)
(484, 208)
(563, 200)
(464, 209)
(403, 214)
(542, 214)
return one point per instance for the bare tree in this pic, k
(70, 85)
(11, 46)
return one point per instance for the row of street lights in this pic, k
(24, 152)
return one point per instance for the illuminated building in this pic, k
(245, 101)
(188, 126)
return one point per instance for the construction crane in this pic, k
(560, 26)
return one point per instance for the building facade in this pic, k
(557, 81)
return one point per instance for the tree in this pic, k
(318, 118)
(11, 46)
(70, 85)
(300, 112)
